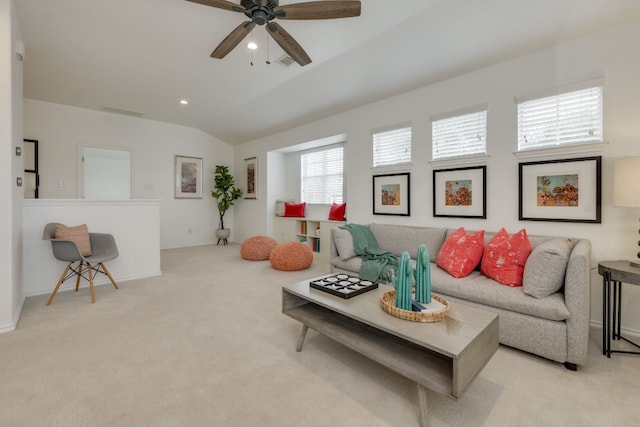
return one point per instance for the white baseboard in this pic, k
(624, 331)
(71, 284)
(16, 317)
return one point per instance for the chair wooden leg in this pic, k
(109, 275)
(79, 275)
(93, 294)
(55, 290)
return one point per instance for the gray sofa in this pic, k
(555, 326)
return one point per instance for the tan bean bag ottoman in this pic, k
(291, 256)
(257, 248)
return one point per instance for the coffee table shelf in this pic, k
(443, 357)
(418, 364)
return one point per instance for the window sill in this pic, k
(560, 152)
(471, 160)
(401, 167)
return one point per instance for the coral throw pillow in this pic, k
(294, 209)
(336, 213)
(461, 252)
(79, 235)
(505, 256)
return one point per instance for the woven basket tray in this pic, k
(388, 304)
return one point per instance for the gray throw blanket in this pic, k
(377, 263)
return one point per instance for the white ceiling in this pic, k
(146, 55)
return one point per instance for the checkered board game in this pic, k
(343, 286)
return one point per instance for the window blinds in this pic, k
(567, 118)
(459, 135)
(321, 176)
(392, 147)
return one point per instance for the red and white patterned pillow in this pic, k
(505, 256)
(461, 252)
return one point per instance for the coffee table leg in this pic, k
(303, 334)
(422, 403)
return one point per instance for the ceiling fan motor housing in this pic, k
(260, 17)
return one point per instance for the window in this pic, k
(460, 134)
(321, 175)
(392, 147)
(562, 119)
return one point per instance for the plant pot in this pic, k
(223, 234)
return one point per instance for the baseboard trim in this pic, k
(16, 318)
(102, 281)
(623, 330)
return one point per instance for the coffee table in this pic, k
(442, 356)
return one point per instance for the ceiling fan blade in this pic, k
(288, 43)
(318, 10)
(220, 4)
(233, 39)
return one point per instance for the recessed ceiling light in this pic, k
(252, 45)
(184, 102)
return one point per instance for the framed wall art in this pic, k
(188, 177)
(251, 177)
(391, 194)
(561, 190)
(460, 192)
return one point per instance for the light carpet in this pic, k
(206, 344)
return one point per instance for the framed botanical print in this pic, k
(391, 194)
(561, 190)
(460, 192)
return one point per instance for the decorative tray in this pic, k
(388, 304)
(343, 285)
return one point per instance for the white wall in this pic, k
(61, 129)
(11, 295)
(609, 54)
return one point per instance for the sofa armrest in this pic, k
(333, 251)
(577, 295)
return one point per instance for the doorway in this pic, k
(105, 173)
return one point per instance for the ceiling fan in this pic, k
(263, 12)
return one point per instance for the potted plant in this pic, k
(225, 192)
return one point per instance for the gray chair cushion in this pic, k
(545, 268)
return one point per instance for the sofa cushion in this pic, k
(505, 256)
(344, 243)
(461, 252)
(337, 211)
(545, 268)
(352, 264)
(483, 290)
(397, 239)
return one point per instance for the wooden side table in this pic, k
(613, 274)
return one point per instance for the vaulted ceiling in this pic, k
(146, 55)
